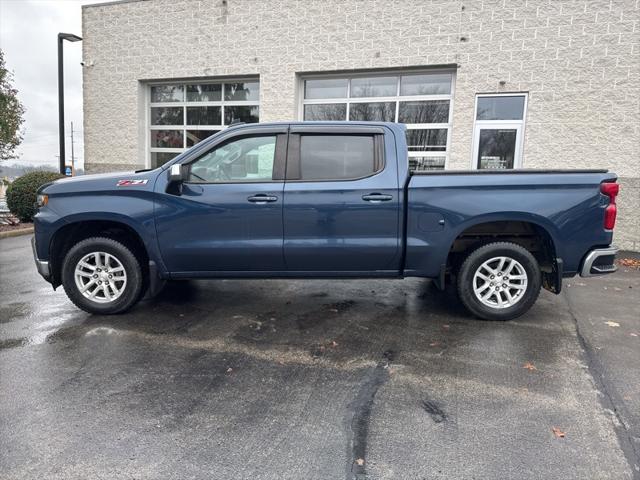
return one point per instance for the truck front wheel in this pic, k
(499, 281)
(101, 275)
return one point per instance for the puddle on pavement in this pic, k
(35, 327)
(47, 328)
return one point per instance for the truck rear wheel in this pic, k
(499, 281)
(101, 275)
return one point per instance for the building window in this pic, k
(183, 114)
(421, 100)
(499, 131)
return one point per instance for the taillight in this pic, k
(610, 189)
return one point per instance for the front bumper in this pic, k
(41, 265)
(599, 262)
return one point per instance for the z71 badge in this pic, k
(131, 183)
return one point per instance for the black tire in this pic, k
(485, 253)
(134, 283)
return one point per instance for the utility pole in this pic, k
(73, 159)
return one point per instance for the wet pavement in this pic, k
(384, 379)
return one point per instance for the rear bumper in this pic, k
(41, 265)
(599, 262)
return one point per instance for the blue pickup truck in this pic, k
(323, 200)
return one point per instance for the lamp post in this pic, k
(71, 38)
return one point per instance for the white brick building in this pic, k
(161, 74)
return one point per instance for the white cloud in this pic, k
(28, 37)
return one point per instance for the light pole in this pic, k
(71, 38)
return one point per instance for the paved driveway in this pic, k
(316, 380)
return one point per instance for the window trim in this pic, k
(293, 164)
(279, 155)
(399, 72)
(148, 149)
(519, 124)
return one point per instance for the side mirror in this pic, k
(177, 173)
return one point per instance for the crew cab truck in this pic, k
(323, 200)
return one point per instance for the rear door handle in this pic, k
(377, 197)
(262, 198)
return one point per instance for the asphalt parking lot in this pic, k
(317, 380)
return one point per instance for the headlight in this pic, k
(42, 200)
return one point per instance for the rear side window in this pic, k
(337, 157)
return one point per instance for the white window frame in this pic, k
(397, 98)
(183, 104)
(518, 125)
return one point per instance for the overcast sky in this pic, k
(28, 37)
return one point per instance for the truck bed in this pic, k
(565, 204)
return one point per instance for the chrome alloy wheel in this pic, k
(500, 282)
(100, 277)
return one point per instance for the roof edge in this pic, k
(112, 2)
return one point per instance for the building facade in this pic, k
(480, 83)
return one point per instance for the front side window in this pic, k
(183, 114)
(247, 159)
(336, 157)
(421, 100)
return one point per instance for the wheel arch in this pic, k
(536, 234)
(80, 229)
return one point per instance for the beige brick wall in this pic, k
(579, 61)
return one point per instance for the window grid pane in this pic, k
(167, 93)
(427, 84)
(242, 91)
(204, 93)
(326, 88)
(325, 111)
(373, 112)
(374, 87)
(166, 116)
(204, 116)
(431, 111)
(167, 138)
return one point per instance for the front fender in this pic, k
(135, 210)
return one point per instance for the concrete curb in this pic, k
(16, 233)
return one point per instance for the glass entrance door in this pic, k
(497, 147)
(497, 135)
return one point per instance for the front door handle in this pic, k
(377, 197)
(262, 198)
